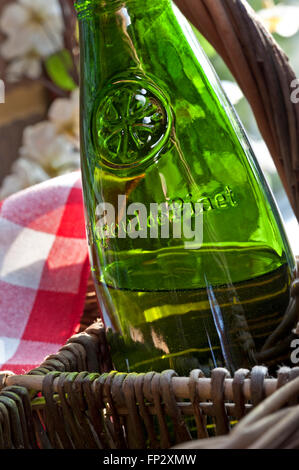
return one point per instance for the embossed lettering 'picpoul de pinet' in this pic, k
(221, 200)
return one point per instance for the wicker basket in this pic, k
(75, 400)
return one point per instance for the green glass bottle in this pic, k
(189, 256)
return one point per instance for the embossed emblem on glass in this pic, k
(132, 123)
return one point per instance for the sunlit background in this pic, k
(282, 19)
(39, 122)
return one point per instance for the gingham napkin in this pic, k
(44, 269)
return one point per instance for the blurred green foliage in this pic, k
(58, 68)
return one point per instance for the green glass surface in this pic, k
(157, 127)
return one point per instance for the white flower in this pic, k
(25, 173)
(281, 19)
(29, 65)
(32, 25)
(64, 113)
(54, 152)
(44, 154)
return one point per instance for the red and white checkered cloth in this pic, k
(44, 268)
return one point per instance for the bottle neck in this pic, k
(112, 36)
(89, 8)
